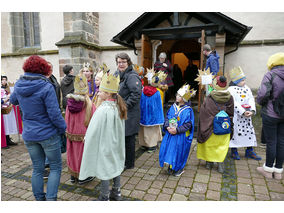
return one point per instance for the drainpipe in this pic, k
(227, 53)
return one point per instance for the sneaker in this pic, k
(235, 154)
(45, 174)
(152, 149)
(87, 180)
(178, 173)
(252, 155)
(73, 179)
(144, 148)
(115, 194)
(221, 168)
(170, 171)
(209, 165)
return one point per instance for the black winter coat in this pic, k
(130, 89)
(67, 86)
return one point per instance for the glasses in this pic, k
(121, 62)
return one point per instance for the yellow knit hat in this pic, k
(275, 60)
(236, 74)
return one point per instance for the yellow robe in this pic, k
(214, 149)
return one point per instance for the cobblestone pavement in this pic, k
(148, 182)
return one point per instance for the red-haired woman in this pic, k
(43, 124)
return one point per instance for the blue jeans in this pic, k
(273, 133)
(39, 150)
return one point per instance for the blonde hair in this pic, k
(88, 115)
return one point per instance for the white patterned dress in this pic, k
(244, 134)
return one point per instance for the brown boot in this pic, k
(265, 171)
(277, 173)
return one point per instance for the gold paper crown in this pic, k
(236, 74)
(87, 66)
(81, 84)
(185, 92)
(110, 83)
(155, 78)
(138, 69)
(103, 69)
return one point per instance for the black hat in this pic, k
(67, 69)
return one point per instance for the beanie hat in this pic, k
(275, 60)
(237, 75)
(220, 83)
(67, 69)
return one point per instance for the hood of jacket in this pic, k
(29, 83)
(67, 80)
(149, 90)
(278, 70)
(214, 54)
(75, 103)
(221, 96)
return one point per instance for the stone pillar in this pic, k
(220, 48)
(80, 42)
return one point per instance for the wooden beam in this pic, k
(179, 29)
(176, 19)
(189, 17)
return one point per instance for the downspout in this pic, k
(227, 53)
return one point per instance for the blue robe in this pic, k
(175, 149)
(151, 110)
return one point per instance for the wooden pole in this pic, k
(201, 67)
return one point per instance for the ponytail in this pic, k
(122, 108)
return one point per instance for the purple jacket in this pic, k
(277, 85)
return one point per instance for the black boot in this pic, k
(115, 194)
(9, 141)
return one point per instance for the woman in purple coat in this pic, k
(272, 89)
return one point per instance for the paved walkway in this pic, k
(148, 182)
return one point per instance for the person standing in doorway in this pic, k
(212, 61)
(130, 89)
(165, 65)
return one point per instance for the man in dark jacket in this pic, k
(212, 61)
(130, 90)
(67, 83)
(55, 84)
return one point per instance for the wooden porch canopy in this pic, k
(213, 22)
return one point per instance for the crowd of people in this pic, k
(105, 110)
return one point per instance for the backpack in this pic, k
(221, 123)
(278, 104)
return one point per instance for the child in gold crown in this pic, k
(179, 128)
(104, 150)
(79, 112)
(152, 115)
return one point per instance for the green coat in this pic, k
(104, 149)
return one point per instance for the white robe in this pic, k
(244, 134)
(10, 122)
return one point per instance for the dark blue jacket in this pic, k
(42, 117)
(213, 62)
